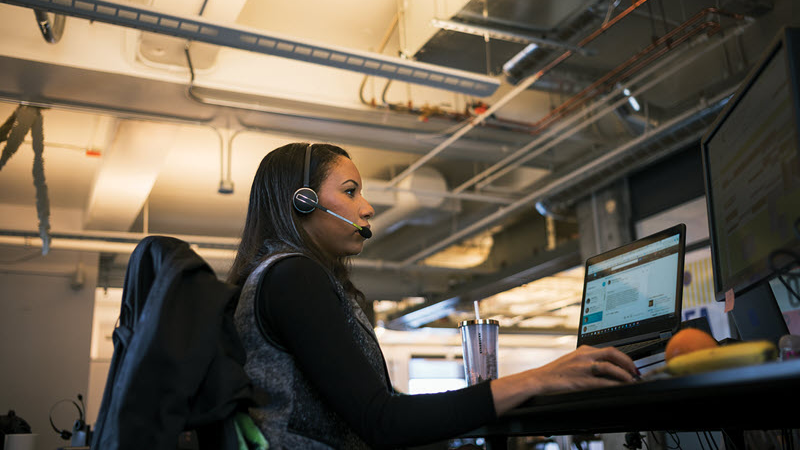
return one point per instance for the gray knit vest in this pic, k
(296, 416)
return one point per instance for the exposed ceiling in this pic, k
(139, 138)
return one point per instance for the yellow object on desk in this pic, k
(725, 357)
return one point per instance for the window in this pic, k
(431, 374)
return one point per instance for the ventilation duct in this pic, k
(418, 196)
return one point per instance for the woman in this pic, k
(308, 343)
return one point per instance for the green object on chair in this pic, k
(248, 434)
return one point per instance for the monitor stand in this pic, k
(757, 316)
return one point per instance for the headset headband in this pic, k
(306, 173)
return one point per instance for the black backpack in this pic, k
(11, 423)
(178, 363)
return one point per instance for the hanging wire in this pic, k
(13, 131)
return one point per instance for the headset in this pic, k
(306, 200)
(79, 424)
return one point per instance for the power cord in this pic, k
(730, 440)
(633, 440)
(675, 438)
(711, 436)
(783, 270)
(700, 441)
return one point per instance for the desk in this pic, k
(747, 398)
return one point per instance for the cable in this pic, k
(700, 441)
(711, 435)
(729, 440)
(787, 436)
(673, 435)
(675, 438)
(782, 271)
(797, 228)
(24, 258)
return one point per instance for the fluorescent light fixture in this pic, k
(631, 99)
(541, 209)
(512, 63)
(199, 29)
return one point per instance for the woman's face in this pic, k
(340, 192)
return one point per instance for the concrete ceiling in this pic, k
(136, 142)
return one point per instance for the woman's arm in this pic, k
(585, 368)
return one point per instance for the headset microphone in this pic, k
(299, 196)
(306, 200)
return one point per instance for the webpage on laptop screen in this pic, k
(631, 288)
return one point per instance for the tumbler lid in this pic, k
(479, 322)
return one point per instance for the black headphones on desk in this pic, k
(79, 424)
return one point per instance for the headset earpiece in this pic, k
(304, 200)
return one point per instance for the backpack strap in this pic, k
(257, 277)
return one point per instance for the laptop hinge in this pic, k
(665, 335)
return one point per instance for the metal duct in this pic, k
(410, 206)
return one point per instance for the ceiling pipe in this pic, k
(519, 157)
(499, 172)
(627, 68)
(381, 46)
(51, 32)
(209, 247)
(522, 86)
(558, 183)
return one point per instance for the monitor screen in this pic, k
(631, 288)
(634, 292)
(752, 169)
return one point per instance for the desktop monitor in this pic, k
(751, 164)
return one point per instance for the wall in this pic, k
(45, 327)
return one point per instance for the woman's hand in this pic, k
(584, 368)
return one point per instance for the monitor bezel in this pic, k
(789, 39)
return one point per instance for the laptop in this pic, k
(632, 295)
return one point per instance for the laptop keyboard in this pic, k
(630, 349)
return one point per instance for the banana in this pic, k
(724, 357)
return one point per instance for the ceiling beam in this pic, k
(226, 35)
(127, 174)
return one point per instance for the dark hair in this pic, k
(273, 225)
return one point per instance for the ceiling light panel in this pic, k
(198, 29)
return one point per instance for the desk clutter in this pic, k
(693, 351)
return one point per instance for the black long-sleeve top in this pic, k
(301, 311)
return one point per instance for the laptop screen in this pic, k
(633, 292)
